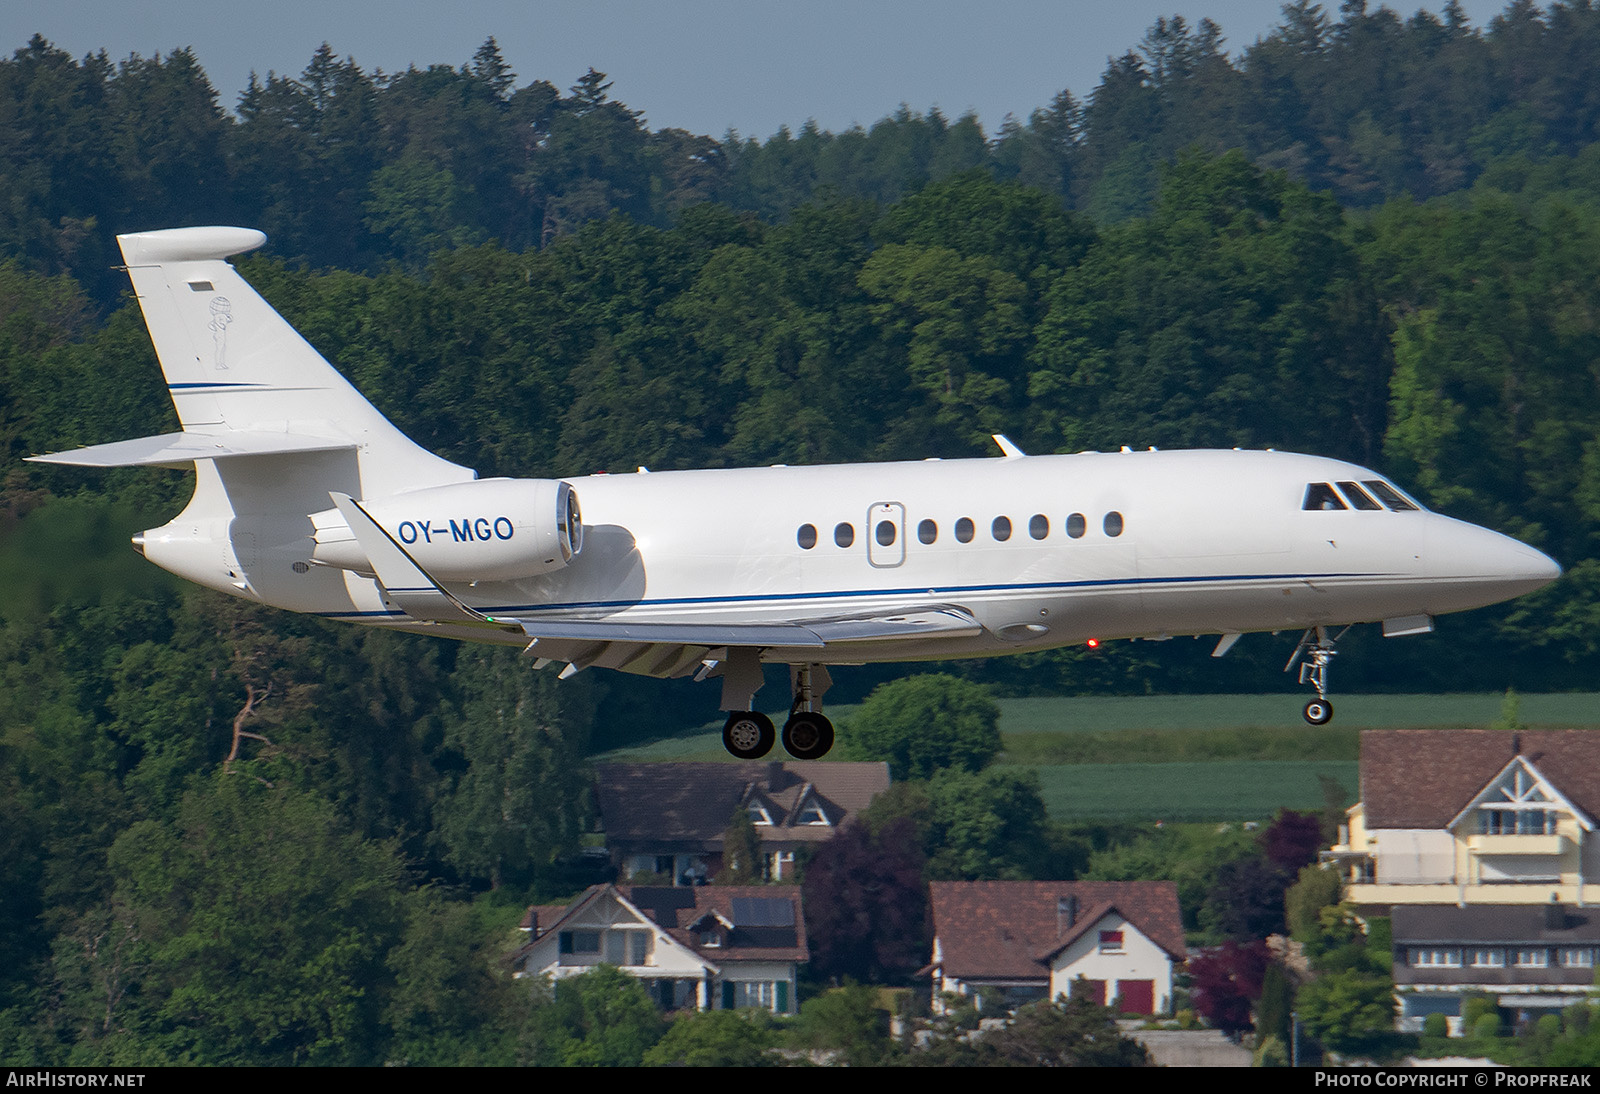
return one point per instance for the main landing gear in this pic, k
(749, 734)
(1314, 653)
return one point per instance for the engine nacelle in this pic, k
(485, 530)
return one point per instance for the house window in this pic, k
(1110, 941)
(710, 939)
(1436, 958)
(1516, 822)
(580, 942)
(1533, 958)
(812, 814)
(640, 945)
(1487, 959)
(779, 866)
(770, 995)
(758, 813)
(1577, 957)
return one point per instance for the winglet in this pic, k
(1012, 451)
(411, 588)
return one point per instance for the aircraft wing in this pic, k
(675, 649)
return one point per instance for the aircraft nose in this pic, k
(1493, 566)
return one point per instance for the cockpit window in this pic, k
(1390, 496)
(1319, 495)
(1359, 498)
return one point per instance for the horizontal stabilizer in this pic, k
(176, 449)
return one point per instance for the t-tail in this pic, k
(272, 430)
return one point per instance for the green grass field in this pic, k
(1195, 757)
(1233, 790)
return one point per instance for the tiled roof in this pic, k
(1505, 924)
(758, 935)
(665, 805)
(1007, 929)
(539, 917)
(1421, 778)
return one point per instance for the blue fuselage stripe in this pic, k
(920, 590)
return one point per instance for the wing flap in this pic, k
(947, 622)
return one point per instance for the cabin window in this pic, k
(1112, 524)
(1390, 496)
(1359, 498)
(1076, 525)
(1038, 526)
(844, 534)
(927, 531)
(885, 533)
(807, 536)
(1320, 496)
(964, 529)
(1001, 529)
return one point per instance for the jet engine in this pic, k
(485, 530)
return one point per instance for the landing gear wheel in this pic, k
(807, 735)
(748, 734)
(1319, 712)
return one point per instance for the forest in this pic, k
(230, 835)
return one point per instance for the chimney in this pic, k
(1066, 914)
(1555, 916)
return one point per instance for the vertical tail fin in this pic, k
(233, 365)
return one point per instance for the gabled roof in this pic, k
(1423, 778)
(665, 805)
(1536, 788)
(1012, 929)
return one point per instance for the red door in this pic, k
(1097, 991)
(1138, 996)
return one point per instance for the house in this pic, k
(720, 947)
(666, 820)
(1006, 943)
(1467, 817)
(1531, 960)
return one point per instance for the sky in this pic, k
(707, 66)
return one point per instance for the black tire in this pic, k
(807, 736)
(1319, 712)
(748, 734)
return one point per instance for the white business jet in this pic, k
(306, 498)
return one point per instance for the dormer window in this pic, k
(758, 813)
(812, 814)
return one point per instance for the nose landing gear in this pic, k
(1314, 653)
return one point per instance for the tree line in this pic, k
(354, 169)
